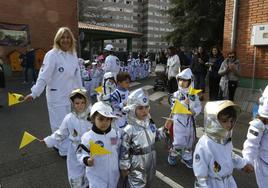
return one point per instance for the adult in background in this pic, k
(59, 74)
(199, 70)
(112, 63)
(185, 62)
(29, 64)
(214, 63)
(2, 81)
(173, 68)
(230, 72)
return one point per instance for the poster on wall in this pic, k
(14, 34)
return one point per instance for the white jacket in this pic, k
(214, 163)
(112, 64)
(60, 74)
(255, 150)
(173, 66)
(105, 171)
(72, 128)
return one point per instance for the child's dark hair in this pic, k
(230, 112)
(189, 81)
(123, 76)
(93, 117)
(78, 96)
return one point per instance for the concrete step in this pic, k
(157, 96)
(149, 89)
(133, 84)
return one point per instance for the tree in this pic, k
(196, 22)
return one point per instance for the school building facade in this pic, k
(33, 22)
(246, 32)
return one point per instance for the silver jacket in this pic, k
(213, 128)
(138, 138)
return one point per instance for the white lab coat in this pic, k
(213, 164)
(173, 66)
(112, 64)
(59, 74)
(72, 128)
(255, 150)
(105, 171)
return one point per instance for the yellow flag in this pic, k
(14, 98)
(99, 89)
(96, 149)
(26, 139)
(178, 108)
(193, 91)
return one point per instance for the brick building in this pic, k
(41, 17)
(249, 13)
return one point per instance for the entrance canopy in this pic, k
(106, 33)
(91, 32)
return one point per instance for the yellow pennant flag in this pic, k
(26, 139)
(14, 98)
(96, 149)
(99, 89)
(178, 108)
(193, 91)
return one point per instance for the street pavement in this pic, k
(36, 166)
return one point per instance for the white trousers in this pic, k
(56, 115)
(261, 172)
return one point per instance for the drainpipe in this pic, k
(234, 24)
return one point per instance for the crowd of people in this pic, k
(222, 73)
(120, 121)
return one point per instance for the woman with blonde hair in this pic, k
(59, 74)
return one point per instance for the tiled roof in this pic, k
(82, 25)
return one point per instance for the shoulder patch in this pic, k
(255, 133)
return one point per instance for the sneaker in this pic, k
(172, 160)
(188, 163)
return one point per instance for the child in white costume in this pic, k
(255, 149)
(214, 159)
(109, 83)
(73, 126)
(184, 124)
(118, 98)
(102, 171)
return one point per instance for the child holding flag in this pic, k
(255, 149)
(73, 126)
(183, 120)
(102, 171)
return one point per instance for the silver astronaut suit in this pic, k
(138, 137)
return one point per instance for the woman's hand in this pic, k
(28, 98)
